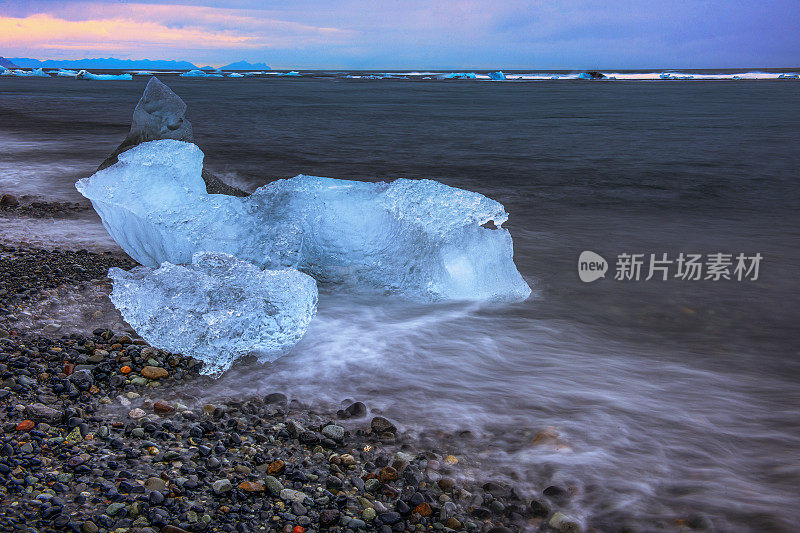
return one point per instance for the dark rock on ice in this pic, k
(161, 114)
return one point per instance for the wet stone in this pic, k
(334, 432)
(381, 425)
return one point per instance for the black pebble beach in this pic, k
(92, 442)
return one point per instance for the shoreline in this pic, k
(94, 439)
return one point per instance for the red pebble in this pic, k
(25, 425)
(299, 529)
(68, 368)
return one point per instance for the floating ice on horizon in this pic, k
(417, 238)
(19, 73)
(201, 74)
(63, 73)
(591, 75)
(235, 75)
(85, 75)
(460, 76)
(497, 76)
(217, 309)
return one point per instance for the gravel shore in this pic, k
(94, 440)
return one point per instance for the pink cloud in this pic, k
(136, 28)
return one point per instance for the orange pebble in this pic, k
(125, 369)
(25, 425)
(299, 529)
(423, 509)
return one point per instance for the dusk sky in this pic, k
(413, 34)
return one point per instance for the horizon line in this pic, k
(450, 68)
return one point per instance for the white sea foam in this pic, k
(67, 234)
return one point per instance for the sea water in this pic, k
(668, 397)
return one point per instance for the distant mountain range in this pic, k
(244, 65)
(113, 63)
(103, 63)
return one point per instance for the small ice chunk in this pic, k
(201, 74)
(85, 75)
(459, 76)
(217, 309)
(497, 76)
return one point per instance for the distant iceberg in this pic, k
(497, 76)
(84, 75)
(235, 75)
(459, 76)
(217, 308)
(419, 239)
(201, 74)
(19, 73)
(63, 73)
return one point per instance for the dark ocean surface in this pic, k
(670, 398)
